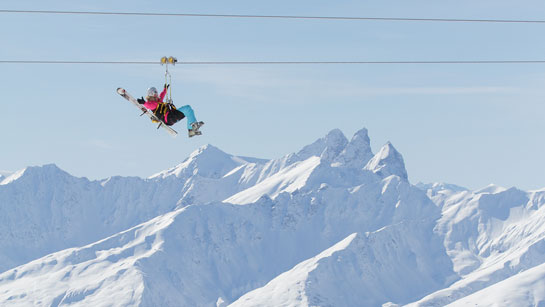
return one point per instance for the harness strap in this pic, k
(159, 109)
(162, 109)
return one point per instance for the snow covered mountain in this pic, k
(490, 235)
(330, 225)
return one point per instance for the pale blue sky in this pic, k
(465, 124)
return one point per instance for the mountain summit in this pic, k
(388, 161)
(207, 161)
(327, 148)
(357, 152)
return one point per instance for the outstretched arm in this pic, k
(164, 92)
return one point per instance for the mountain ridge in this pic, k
(219, 229)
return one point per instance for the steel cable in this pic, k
(274, 16)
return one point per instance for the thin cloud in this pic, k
(259, 85)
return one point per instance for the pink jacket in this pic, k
(152, 104)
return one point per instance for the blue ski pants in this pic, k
(188, 112)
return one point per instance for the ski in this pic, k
(144, 110)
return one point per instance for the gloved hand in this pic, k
(167, 85)
(141, 100)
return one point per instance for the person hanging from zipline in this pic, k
(164, 113)
(167, 112)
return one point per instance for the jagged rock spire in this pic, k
(326, 148)
(357, 152)
(388, 161)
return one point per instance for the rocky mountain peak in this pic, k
(388, 161)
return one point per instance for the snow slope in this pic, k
(290, 179)
(490, 235)
(5, 173)
(7, 177)
(44, 209)
(361, 270)
(524, 289)
(89, 276)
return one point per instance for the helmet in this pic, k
(152, 92)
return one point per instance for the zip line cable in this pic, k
(277, 62)
(274, 16)
(76, 62)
